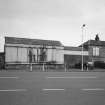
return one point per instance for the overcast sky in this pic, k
(52, 19)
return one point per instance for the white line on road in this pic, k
(72, 77)
(93, 89)
(85, 89)
(9, 77)
(53, 89)
(13, 90)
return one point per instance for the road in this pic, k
(52, 88)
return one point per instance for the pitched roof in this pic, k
(94, 43)
(26, 41)
(73, 48)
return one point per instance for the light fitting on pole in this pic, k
(84, 25)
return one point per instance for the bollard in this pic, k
(43, 67)
(31, 67)
(65, 67)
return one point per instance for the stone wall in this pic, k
(101, 56)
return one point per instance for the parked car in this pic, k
(99, 64)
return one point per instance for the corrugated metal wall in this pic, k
(16, 54)
(21, 54)
(11, 54)
(55, 55)
(49, 55)
(60, 56)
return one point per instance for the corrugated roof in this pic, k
(26, 41)
(94, 43)
(73, 48)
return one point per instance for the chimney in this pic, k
(97, 38)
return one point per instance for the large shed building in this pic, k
(25, 51)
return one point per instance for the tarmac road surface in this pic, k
(52, 88)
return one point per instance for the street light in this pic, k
(83, 26)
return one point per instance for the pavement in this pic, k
(52, 88)
(54, 70)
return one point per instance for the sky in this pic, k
(52, 20)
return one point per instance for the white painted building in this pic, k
(19, 50)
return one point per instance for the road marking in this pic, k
(72, 77)
(53, 89)
(93, 89)
(9, 77)
(13, 90)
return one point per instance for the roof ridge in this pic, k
(17, 40)
(31, 38)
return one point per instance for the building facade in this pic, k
(96, 50)
(23, 51)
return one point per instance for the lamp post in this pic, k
(83, 26)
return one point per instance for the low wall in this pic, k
(35, 67)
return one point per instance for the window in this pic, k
(95, 51)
